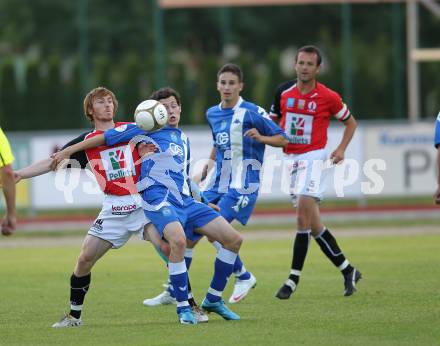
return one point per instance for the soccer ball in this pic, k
(150, 115)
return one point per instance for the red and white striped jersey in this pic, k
(115, 167)
(306, 118)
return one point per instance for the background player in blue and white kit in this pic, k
(166, 198)
(437, 145)
(240, 131)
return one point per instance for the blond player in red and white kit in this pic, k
(116, 169)
(303, 108)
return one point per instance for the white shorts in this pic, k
(120, 217)
(308, 172)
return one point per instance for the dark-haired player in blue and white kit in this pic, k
(437, 145)
(240, 131)
(165, 190)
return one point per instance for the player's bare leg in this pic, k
(93, 249)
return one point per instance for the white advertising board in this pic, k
(384, 160)
(65, 188)
(409, 154)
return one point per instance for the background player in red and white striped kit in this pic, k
(303, 108)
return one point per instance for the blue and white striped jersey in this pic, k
(239, 159)
(164, 174)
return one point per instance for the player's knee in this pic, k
(238, 241)
(303, 218)
(85, 262)
(178, 242)
(233, 242)
(302, 221)
(8, 171)
(165, 248)
(316, 227)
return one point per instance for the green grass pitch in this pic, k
(397, 303)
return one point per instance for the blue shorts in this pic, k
(233, 205)
(191, 215)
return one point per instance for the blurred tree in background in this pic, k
(10, 100)
(42, 56)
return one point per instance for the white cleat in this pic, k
(67, 321)
(242, 288)
(200, 315)
(162, 299)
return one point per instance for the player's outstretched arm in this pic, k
(350, 127)
(33, 170)
(64, 154)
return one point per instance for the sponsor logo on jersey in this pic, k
(117, 159)
(311, 106)
(123, 209)
(118, 163)
(221, 138)
(176, 149)
(299, 128)
(122, 173)
(301, 103)
(290, 102)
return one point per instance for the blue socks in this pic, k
(188, 259)
(179, 282)
(223, 267)
(239, 270)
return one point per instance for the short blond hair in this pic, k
(92, 95)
